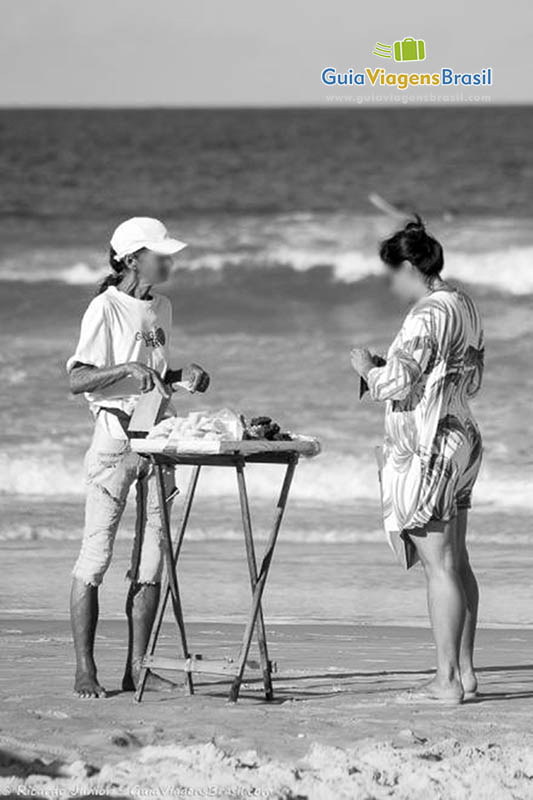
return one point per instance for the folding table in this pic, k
(236, 455)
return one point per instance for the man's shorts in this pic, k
(111, 467)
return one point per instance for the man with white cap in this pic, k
(123, 352)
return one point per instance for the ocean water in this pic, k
(281, 278)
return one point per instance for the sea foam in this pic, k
(505, 270)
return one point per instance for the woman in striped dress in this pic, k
(432, 449)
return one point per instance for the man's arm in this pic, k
(88, 378)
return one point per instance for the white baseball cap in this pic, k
(139, 232)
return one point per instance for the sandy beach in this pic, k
(345, 653)
(339, 726)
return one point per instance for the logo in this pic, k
(153, 338)
(404, 50)
(407, 49)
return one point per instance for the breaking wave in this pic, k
(329, 479)
(506, 270)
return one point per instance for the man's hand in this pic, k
(362, 360)
(197, 378)
(148, 378)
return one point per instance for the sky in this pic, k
(245, 52)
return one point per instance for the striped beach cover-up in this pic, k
(432, 447)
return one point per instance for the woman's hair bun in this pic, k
(417, 227)
(414, 244)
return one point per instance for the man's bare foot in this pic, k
(435, 690)
(154, 682)
(87, 686)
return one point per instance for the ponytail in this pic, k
(116, 274)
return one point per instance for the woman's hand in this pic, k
(148, 378)
(362, 360)
(378, 360)
(197, 378)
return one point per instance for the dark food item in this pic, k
(378, 361)
(265, 428)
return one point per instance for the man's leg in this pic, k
(84, 618)
(471, 590)
(141, 608)
(145, 574)
(109, 476)
(446, 603)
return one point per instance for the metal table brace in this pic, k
(258, 579)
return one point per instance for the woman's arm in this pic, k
(88, 378)
(406, 364)
(396, 379)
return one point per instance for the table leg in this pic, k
(252, 567)
(261, 580)
(140, 523)
(171, 560)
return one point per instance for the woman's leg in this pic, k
(470, 587)
(447, 605)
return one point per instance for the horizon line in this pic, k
(254, 107)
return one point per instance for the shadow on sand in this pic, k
(287, 686)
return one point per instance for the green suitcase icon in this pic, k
(409, 49)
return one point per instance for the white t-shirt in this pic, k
(117, 328)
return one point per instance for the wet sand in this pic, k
(338, 727)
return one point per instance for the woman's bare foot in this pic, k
(436, 690)
(86, 686)
(470, 684)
